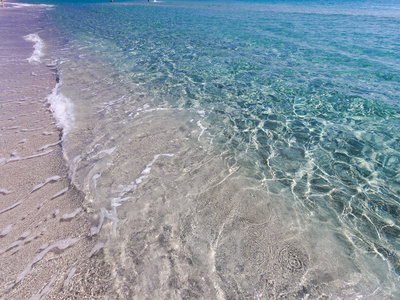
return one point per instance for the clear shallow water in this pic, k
(237, 149)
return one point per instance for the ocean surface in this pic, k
(234, 149)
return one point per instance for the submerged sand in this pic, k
(45, 241)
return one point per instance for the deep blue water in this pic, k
(303, 95)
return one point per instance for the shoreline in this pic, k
(45, 240)
(151, 208)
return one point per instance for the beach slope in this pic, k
(45, 244)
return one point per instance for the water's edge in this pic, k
(189, 204)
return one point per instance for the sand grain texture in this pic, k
(38, 247)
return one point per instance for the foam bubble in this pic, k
(39, 44)
(62, 108)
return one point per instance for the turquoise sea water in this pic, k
(237, 149)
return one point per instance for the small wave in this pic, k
(39, 44)
(62, 108)
(20, 5)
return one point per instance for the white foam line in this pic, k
(140, 179)
(61, 245)
(59, 193)
(96, 248)
(70, 274)
(62, 109)
(30, 239)
(145, 173)
(16, 250)
(13, 245)
(143, 107)
(94, 179)
(74, 166)
(50, 179)
(19, 5)
(107, 151)
(71, 215)
(49, 145)
(37, 53)
(44, 246)
(24, 235)
(28, 157)
(103, 213)
(11, 207)
(154, 109)
(202, 129)
(212, 138)
(6, 230)
(31, 129)
(115, 202)
(41, 204)
(45, 290)
(107, 105)
(5, 191)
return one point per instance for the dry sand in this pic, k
(44, 238)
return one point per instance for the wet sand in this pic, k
(45, 240)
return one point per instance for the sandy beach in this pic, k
(45, 244)
(199, 150)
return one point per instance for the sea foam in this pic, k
(39, 44)
(21, 5)
(62, 108)
(61, 245)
